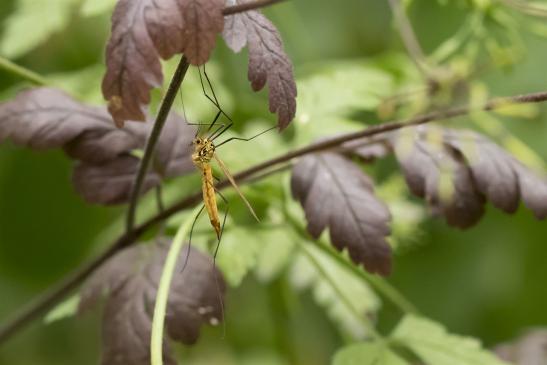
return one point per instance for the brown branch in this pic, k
(240, 8)
(50, 299)
(163, 113)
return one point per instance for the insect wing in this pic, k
(232, 181)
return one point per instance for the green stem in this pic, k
(158, 321)
(22, 72)
(380, 285)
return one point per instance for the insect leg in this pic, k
(243, 139)
(213, 100)
(215, 260)
(190, 239)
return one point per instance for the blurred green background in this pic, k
(487, 282)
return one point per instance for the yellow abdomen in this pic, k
(209, 197)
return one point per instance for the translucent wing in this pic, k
(232, 181)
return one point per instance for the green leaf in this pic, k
(361, 297)
(96, 7)
(327, 97)
(238, 253)
(435, 346)
(375, 353)
(32, 23)
(66, 308)
(275, 255)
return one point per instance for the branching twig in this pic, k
(50, 299)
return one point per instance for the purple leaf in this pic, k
(529, 349)
(436, 174)
(144, 30)
(268, 62)
(337, 195)
(47, 118)
(129, 281)
(477, 168)
(110, 183)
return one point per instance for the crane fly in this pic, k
(202, 156)
(204, 152)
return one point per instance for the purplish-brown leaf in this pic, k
(268, 62)
(130, 280)
(45, 118)
(144, 30)
(337, 195)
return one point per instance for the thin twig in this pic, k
(152, 141)
(22, 72)
(240, 8)
(409, 37)
(50, 299)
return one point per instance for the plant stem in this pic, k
(152, 141)
(57, 294)
(240, 8)
(409, 37)
(22, 72)
(158, 320)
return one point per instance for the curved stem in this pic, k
(57, 294)
(160, 307)
(22, 72)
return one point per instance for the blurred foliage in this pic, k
(352, 70)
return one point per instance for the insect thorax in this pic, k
(204, 150)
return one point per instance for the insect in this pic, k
(204, 152)
(202, 156)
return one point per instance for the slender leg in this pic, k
(215, 262)
(190, 239)
(213, 100)
(243, 139)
